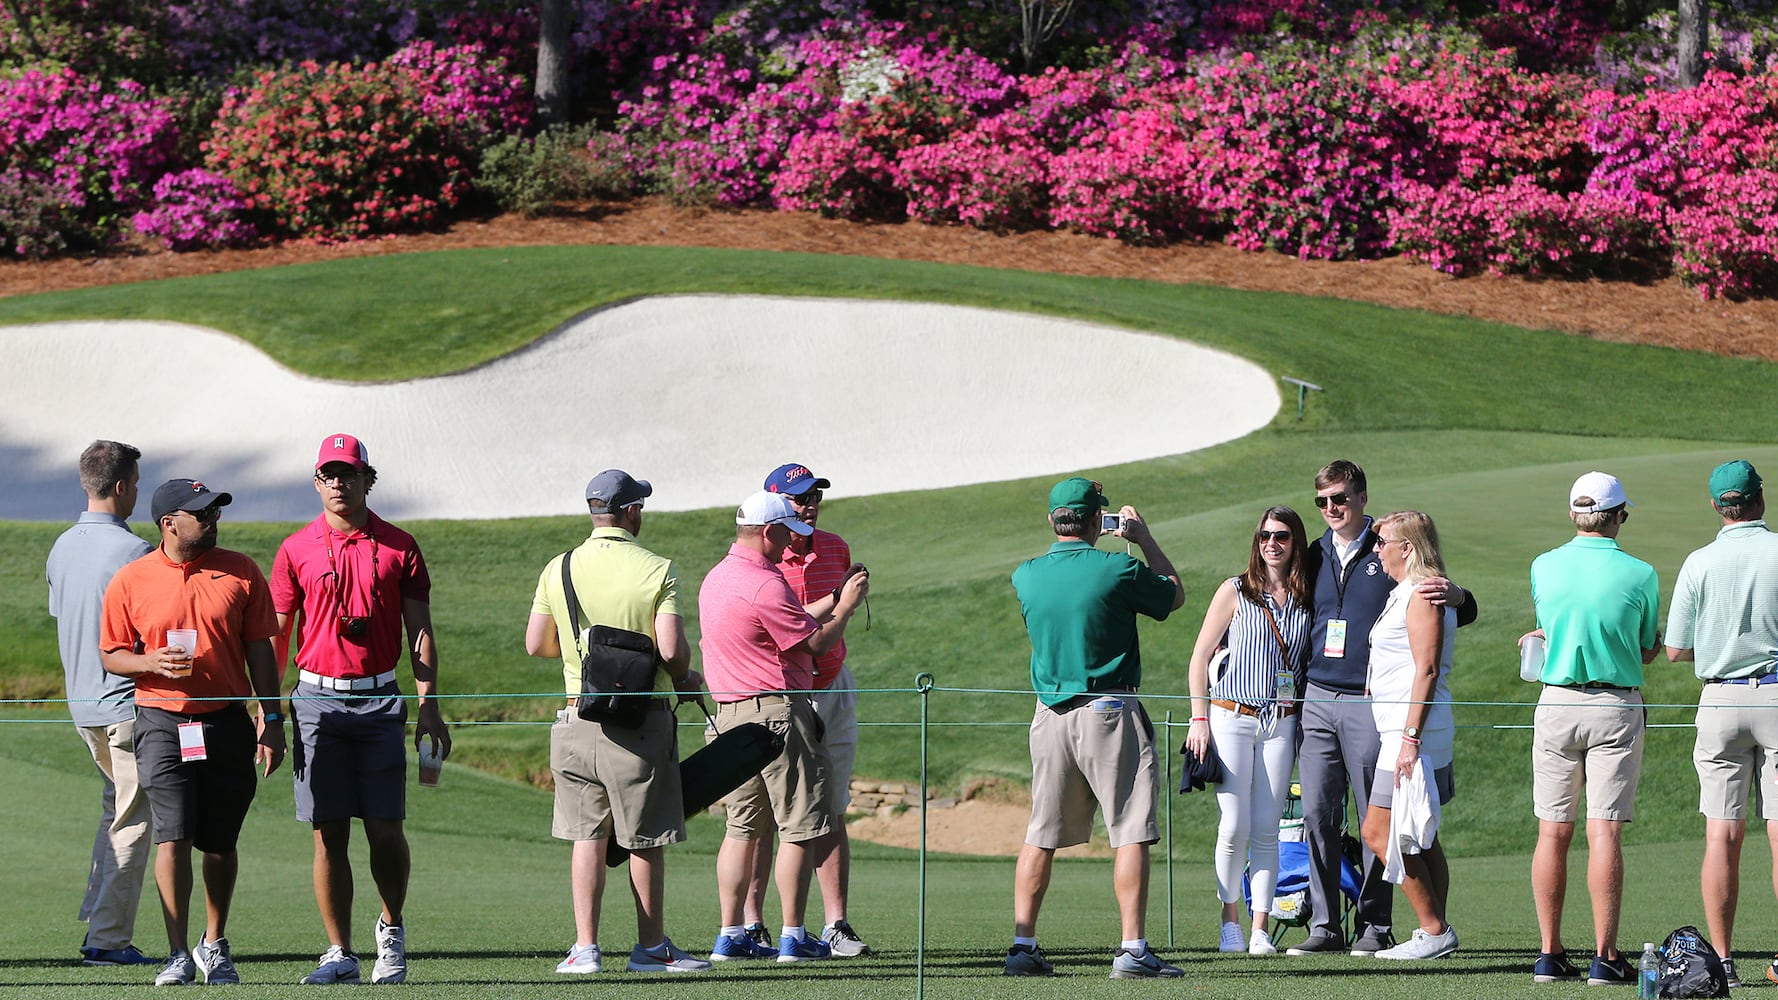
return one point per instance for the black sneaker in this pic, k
(1554, 967)
(1319, 944)
(1729, 973)
(1611, 972)
(1023, 961)
(758, 934)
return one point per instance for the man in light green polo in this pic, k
(1597, 608)
(1724, 619)
(1092, 745)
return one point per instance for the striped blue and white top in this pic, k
(1252, 675)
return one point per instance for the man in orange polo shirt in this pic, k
(183, 621)
(350, 582)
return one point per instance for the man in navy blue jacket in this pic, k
(1338, 735)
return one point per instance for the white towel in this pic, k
(1413, 821)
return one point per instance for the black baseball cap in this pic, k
(186, 494)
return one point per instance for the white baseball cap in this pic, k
(1602, 491)
(771, 508)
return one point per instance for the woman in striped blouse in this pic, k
(1249, 714)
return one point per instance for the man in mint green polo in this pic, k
(1724, 619)
(1092, 745)
(1597, 608)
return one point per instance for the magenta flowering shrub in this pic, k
(76, 158)
(343, 151)
(196, 210)
(1547, 34)
(467, 88)
(1132, 182)
(1519, 227)
(994, 175)
(839, 175)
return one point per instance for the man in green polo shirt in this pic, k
(1596, 607)
(1091, 742)
(1724, 619)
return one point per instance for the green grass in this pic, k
(488, 913)
(1482, 425)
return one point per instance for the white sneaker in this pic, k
(1261, 944)
(215, 962)
(580, 961)
(1423, 945)
(335, 967)
(391, 964)
(1232, 941)
(180, 970)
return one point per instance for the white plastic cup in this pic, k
(185, 639)
(431, 763)
(1531, 653)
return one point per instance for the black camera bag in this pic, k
(616, 667)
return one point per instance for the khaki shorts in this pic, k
(615, 782)
(1097, 750)
(1737, 750)
(1591, 738)
(792, 792)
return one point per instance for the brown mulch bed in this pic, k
(1658, 312)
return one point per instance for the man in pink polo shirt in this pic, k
(759, 644)
(351, 581)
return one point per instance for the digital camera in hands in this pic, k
(1111, 524)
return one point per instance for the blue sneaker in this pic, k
(807, 949)
(127, 955)
(732, 949)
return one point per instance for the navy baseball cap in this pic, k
(794, 480)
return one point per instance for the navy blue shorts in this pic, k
(350, 753)
(203, 801)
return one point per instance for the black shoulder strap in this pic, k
(573, 602)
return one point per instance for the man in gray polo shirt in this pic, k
(1724, 618)
(80, 566)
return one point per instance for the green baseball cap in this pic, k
(1083, 496)
(1733, 477)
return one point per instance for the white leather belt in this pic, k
(346, 683)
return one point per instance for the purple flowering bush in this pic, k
(197, 210)
(77, 156)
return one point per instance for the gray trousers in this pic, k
(1339, 751)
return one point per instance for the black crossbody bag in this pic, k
(616, 667)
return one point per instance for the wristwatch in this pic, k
(1411, 732)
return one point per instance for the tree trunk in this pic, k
(553, 40)
(1694, 33)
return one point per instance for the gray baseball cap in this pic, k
(616, 490)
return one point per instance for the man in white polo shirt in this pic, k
(1724, 619)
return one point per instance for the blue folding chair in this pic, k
(1290, 900)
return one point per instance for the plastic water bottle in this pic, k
(1531, 659)
(1648, 972)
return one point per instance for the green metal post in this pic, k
(923, 682)
(1167, 791)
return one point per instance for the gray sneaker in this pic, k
(1371, 942)
(180, 970)
(1318, 944)
(675, 960)
(215, 962)
(1023, 961)
(335, 967)
(391, 964)
(1126, 964)
(844, 941)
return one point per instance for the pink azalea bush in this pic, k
(196, 210)
(77, 156)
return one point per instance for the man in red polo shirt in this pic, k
(815, 566)
(351, 582)
(759, 644)
(182, 620)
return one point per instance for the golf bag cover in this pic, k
(719, 768)
(1689, 966)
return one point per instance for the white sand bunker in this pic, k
(703, 395)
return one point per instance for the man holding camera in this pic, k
(351, 582)
(1091, 741)
(614, 781)
(760, 643)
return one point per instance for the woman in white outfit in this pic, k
(1249, 714)
(1411, 700)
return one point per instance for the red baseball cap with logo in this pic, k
(343, 448)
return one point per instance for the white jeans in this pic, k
(1251, 799)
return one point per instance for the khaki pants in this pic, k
(122, 844)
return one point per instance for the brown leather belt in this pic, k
(1249, 710)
